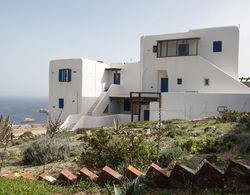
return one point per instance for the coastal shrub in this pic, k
(245, 147)
(170, 155)
(206, 145)
(104, 149)
(176, 132)
(229, 116)
(27, 135)
(6, 135)
(187, 145)
(44, 151)
(244, 118)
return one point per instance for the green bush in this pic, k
(41, 151)
(27, 135)
(103, 149)
(244, 118)
(170, 155)
(176, 132)
(187, 145)
(245, 147)
(229, 116)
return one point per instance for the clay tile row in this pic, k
(206, 175)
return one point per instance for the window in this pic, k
(155, 49)
(61, 103)
(64, 75)
(217, 46)
(117, 78)
(183, 48)
(126, 105)
(179, 81)
(206, 82)
(177, 47)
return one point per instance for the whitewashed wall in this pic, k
(89, 80)
(197, 105)
(227, 60)
(70, 91)
(130, 77)
(193, 70)
(94, 81)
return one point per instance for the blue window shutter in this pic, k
(61, 103)
(69, 75)
(217, 46)
(60, 75)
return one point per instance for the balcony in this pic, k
(177, 47)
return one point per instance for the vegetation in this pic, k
(20, 186)
(116, 151)
(42, 151)
(5, 136)
(169, 156)
(188, 142)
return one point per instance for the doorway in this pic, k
(146, 115)
(164, 84)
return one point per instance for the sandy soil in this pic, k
(36, 129)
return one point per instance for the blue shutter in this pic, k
(217, 46)
(60, 75)
(61, 103)
(69, 75)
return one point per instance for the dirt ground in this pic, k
(36, 129)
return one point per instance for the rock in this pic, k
(44, 111)
(28, 120)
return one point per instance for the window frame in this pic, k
(177, 43)
(65, 75)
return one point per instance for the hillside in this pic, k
(186, 142)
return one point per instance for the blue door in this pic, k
(164, 84)
(117, 78)
(146, 115)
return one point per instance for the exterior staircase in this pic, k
(89, 113)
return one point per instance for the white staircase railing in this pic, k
(105, 100)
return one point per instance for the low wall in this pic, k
(198, 105)
(101, 121)
(70, 120)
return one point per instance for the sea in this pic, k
(19, 108)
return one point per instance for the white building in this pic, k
(193, 74)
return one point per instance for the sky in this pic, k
(33, 32)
